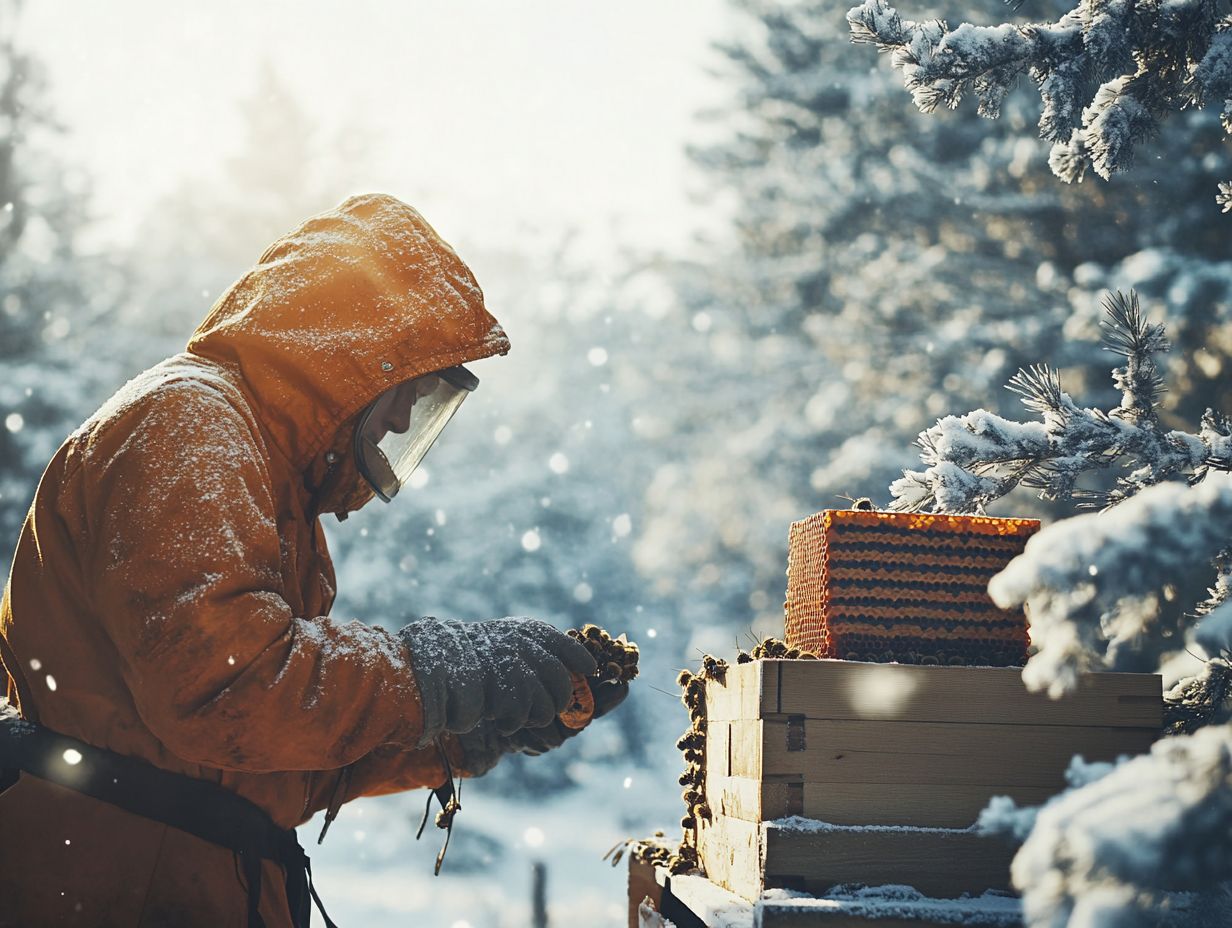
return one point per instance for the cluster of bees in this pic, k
(774, 649)
(692, 744)
(616, 657)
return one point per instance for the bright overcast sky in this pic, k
(487, 114)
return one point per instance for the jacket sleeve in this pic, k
(185, 560)
(391, 769)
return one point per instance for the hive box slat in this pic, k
(691, 901)
(944, 806)
(857, 744)
(846, 751)
(791, 913)
(747, 857)
(731, 853)
(914, 693)
(786, 918)
(937, 863)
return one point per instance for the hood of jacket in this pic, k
(355, 301)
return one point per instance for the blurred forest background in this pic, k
(853, 272)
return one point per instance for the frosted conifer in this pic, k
(979, 457)
(1107, 72)
(1148, 574)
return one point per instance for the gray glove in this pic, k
(514, 672)
(482, 747)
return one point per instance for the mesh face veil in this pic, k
(400, 425)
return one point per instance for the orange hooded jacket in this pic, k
(171, 586)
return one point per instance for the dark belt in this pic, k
(205, 810)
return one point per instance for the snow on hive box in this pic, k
(897, 761)
(905, 587)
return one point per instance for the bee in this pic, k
(859, 503)
(691, 739)
(713, 668)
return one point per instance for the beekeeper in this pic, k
(184, 698)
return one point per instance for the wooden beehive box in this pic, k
(919, 750)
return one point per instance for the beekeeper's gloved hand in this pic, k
(539, 740)
(482, 746)
(513, 672)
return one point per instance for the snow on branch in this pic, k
(977, 458)
(1147, 843)
(1096, 577)
(1107, 72)
(1095, 583)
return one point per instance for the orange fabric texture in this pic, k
(171, 586)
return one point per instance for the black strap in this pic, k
(198, 807)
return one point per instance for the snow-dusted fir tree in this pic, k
(1108, 74)
(52, 297)
(1142, 581)
(1193, 292)
(1145, 576)
(881, 270)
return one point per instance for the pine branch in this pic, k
(1136, 340)
(1107, 72)
(975, 459)
(1193, 702)
(1224, 197)
(1039, 386)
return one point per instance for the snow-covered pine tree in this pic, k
(882, 270)
(1138, 584)
(1129, 586)
(1193, 294)
(53, 298)
(1107, 73)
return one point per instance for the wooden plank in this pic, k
(718, 749)
(747, 741)
(710, 903)
(906, 692)
(740, 694)
(752, 800)
(938, 863)
(741, 797)
(785, 915)
(927, 753)
(930, 806)
(730, 853)
(692, 901)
